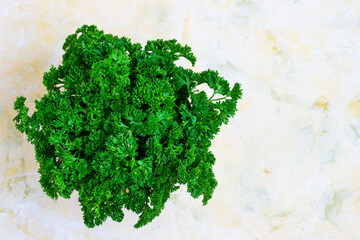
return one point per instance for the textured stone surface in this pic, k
(288, 164)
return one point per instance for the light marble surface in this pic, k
(288, 164)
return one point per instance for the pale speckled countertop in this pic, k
(288, 164)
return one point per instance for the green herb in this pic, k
(125, 126)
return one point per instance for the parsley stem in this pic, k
(218, 99)
(212, 95)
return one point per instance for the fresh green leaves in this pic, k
(125, 126)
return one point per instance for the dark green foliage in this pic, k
(124, 126)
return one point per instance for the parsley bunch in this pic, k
(125, 126)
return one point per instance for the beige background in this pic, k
(288, 164)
